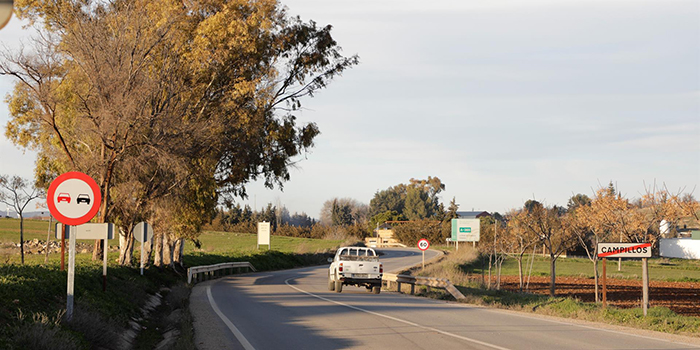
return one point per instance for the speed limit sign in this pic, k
(423, 244)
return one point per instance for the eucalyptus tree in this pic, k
(113, 84)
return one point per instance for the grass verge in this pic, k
(33, 295)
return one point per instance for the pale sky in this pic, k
(502, 100)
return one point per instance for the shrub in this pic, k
(410, 233)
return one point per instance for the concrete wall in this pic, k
(683, 248)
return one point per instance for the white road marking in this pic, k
(398, 319)
(229, 324)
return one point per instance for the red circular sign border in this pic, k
(95, 191)
(423, 239)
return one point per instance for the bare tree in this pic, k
(518, 240)
(660, 204)
(17, 193)
(593, 223)
(546, 224)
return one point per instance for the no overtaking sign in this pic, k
(73, 198)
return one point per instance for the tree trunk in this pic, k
(619, 264)
(148, 248)
(106, 181)
(158, 250)
(552, 271)
(179, 249)
(21, 236)
(97, 250)
(122, 247)
(48, 239)
(126, 247)
(490, 263)
(167, 250)
(177, 243)
(520, 273)
(595, 279)
(499, 263)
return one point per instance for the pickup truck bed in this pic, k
(357, 266)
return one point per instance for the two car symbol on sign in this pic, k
(65, 197)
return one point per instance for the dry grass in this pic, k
(41, 331)
(337, 233)
(450, 266)
(302, 248)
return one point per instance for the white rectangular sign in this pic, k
(624, 250)
(466, 230)
(263, 233)
(87, 231)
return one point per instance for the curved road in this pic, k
(293, 309)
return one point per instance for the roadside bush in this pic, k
(410, 233)
(244, 227)
(293, 231)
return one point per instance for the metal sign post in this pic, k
(645, 286)
(605, 292)
(143, 233)
(105, 250)
(423, 245)
(71, 277)
(62, 237)
(142, 254)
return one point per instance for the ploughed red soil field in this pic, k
(681, 297)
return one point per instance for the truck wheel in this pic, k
(338, 284)
(376, 289)
(331, 283)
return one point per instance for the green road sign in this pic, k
(465, 230)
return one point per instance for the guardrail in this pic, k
(422, 281)
(210, 271)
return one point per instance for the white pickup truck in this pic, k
(357, 266)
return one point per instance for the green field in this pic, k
(217, 242)
(659, 268)
(9, 230)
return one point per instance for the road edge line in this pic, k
(237, 333)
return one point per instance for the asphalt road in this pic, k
(293, 309)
